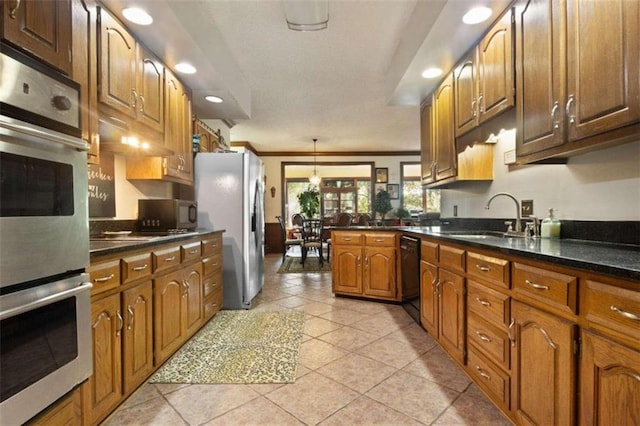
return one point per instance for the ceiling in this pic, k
(355, 86)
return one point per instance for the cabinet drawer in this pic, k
(492, 269)
(211, 284)
(550, 288)
(490, 378)
(211, 264)
(213, 304)
(612, 310)
(346, 238)
(452, 258)
(386, 239)
(104, 276)
(191, 251)
(494, 343)
(165, 259)
(135, 267)
(429, 251)
(489, 304)
(212, 245)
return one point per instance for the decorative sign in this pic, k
(102, 188)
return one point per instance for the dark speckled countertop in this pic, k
(619, 260)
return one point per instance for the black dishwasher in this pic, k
(410, 257)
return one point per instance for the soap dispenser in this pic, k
(550, 227)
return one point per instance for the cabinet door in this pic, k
(451, 318)
(150, 88)
(193, 298)
(168, 315)
(465, 89)
(495, 69)
(445, 152)
(43, 28)
(603, 78)
(137, 347)
(610, 383)
(426, 142)
(172, 121)
(347, 269)
(540, 75)
(379, 272)
(429, 298)
(104, 387)
(543, 368)
(185, 137)
(117, 77)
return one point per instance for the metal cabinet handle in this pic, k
(184, 288)
(358, 261)
(483, 302)
(556, 105)
(140, 268)
(536, 286)
(13, 8)
(120, 323)
(437, 291)
(483, 373)
(625, 313)
(102, 315)
(509, 332)
(379, 240)
(347, 239)
(141, 103)
(473, 107)
(134, 98)
(130, 324)
(103, 279)
(169, 259)
(194, 251)
(567, 108)
(483, 268)
(483, 337)
(480, 106)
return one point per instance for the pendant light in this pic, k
(314, 179)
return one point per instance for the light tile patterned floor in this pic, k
(361, 363)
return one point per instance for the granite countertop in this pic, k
(104, 246)
(619, 260)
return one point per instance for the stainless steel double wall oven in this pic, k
(45, 308)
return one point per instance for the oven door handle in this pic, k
(46, 300)
(33, 131)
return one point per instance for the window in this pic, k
(413, 197)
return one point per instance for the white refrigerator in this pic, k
(230, 194)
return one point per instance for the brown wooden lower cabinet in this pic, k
(66, 412)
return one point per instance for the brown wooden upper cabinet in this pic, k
(483, 80)
(577, 75)
(43, 28)
(426, 141)
(131, 78)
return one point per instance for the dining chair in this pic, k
(297, 219)
(364, 219)
(286, 241)
(312, 230)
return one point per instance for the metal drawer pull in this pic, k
(379, 240)
(483, 268)
(536, 286)
(194, 251)
(13, 8)
(625, 313)
(169, 259)
(483, 373)
(140, 268)
(483, 302)
(347, 239)
(103, 279)
(483, 337)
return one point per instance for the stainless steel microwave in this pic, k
(164, 215)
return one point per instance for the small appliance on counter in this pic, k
(165, 215)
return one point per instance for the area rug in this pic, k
(311, 264)
(239, 347)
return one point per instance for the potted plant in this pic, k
(401, 214)
(309, 202)
(382, 203)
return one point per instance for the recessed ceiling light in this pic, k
(137, 16)
(185, 68)
(214, 99)
(432, 72)
(477, 15)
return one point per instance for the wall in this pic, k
(601, 185)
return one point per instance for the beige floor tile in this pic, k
(292, 301)
(315, 308)
(391, 352)
(377, 326)
(155, 412)
(318, 326)
(144, 393)
(200, 403)
(344, 316)
(313, 398)
(468, 410)
(165, 388)
(436, 366)
(357, 372)
(415, 336)
(414, 396)
(316, 353)
(258, 412)
(349, 339)
(365, 411)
